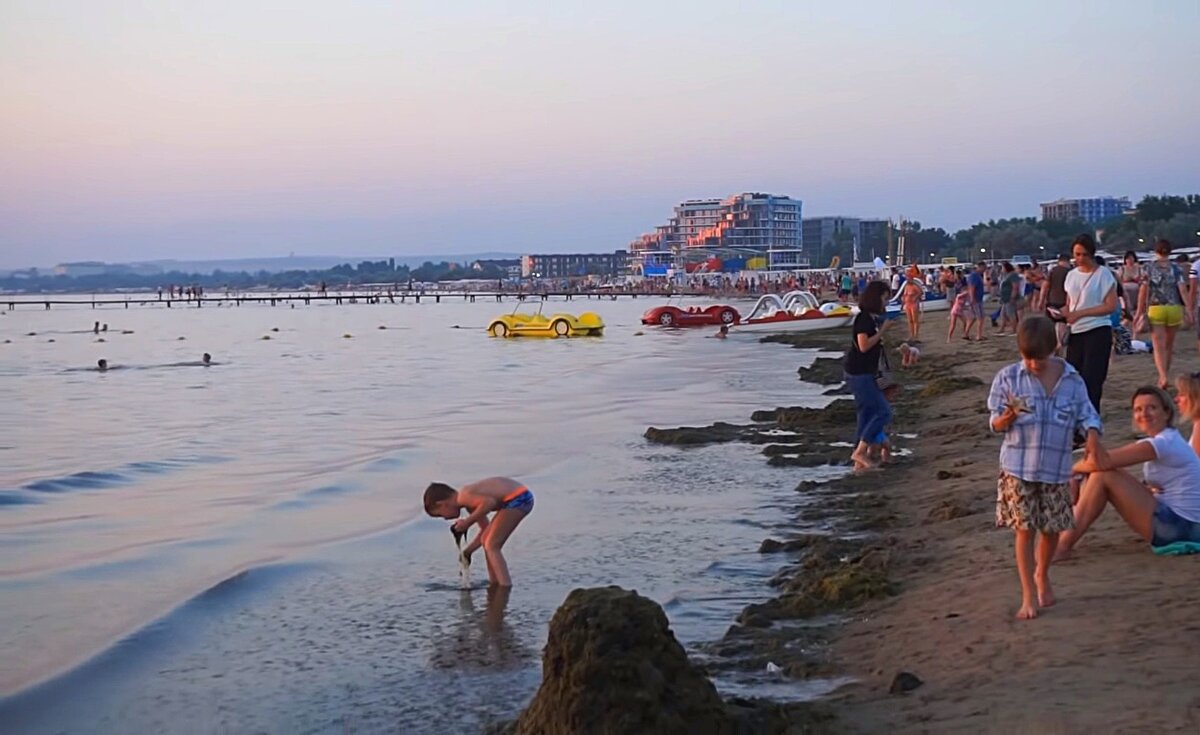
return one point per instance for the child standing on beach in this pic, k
(511, 501)
(1038, 404)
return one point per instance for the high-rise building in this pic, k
(1093, 210)
(825, 237)
(748, 221)
(872, 238)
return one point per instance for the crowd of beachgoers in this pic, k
(1071, 322)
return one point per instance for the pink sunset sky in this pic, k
(139, 130)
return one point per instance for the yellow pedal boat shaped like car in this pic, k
(587, 324)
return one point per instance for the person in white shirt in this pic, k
(1165, 509)
(1091, 300)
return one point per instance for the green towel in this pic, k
(1178, 548)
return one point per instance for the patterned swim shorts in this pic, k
(1033, 506)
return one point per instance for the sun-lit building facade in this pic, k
(749, 224)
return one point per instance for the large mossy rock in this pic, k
(612, 665)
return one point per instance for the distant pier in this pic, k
(28, 301)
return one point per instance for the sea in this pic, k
(241, 547)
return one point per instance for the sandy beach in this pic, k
(1119, 652)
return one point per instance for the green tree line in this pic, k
(1175, 218)
(217, 281)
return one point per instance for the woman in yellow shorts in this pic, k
(1161, 301)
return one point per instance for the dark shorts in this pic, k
(524, 501)
(1168, 527)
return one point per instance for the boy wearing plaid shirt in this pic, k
(1038, 404)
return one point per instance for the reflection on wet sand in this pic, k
(482, 639)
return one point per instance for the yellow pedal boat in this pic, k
(587, 324)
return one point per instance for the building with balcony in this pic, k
(1093, 210)
(751, 225)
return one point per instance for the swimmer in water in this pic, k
(511, 502)
(102, 365)
(722, 333)
(206, 359)
(96, 328)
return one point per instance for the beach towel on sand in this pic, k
(1179, 548)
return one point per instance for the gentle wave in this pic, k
(29, 709)
(102, 479)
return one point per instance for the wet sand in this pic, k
(1120, 651)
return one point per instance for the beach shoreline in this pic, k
(910, 576)
(1114, 655)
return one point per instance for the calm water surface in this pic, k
(240, 548)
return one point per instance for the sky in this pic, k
(253, 128)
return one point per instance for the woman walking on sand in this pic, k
(862, 371)
(911, 296)
(1130, 275)
(1091, 300)
(960, 307)
(1161, 303)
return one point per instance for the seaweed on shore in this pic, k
(844, 557)
(823, 371)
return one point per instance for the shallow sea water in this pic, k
(240, 548)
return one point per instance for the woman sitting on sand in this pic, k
(1166, 508)
(1188, 401)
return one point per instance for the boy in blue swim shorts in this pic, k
(511, 502)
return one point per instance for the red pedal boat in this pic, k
(670, 315)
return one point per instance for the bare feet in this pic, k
(864, 464)
(1045, 593)
(1028, 611)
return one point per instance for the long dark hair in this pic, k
(872, 298)
(1087, 242)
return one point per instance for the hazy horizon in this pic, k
(257, 129)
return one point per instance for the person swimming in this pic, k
(206, 359)
(102, 365)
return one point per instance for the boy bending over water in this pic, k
(511, 501)
(1038, 404)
